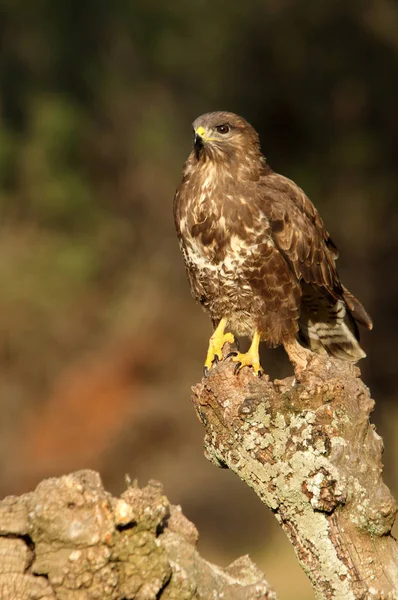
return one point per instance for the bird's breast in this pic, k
(220, 228)
(220, 249)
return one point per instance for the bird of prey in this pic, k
(257, 254)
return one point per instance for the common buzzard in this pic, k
(257, 254)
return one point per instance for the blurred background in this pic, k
(100, 341)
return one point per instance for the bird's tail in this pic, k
(329, 326)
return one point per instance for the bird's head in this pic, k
(224, 136)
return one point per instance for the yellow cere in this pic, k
(201, 131)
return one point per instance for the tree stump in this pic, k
(310, 453)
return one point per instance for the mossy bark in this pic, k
(307, 449)
(310, 453)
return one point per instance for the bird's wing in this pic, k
(299, 233)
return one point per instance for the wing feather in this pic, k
(299, 233)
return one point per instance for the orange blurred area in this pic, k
(100, 341)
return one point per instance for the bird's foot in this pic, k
(248, 359)
(216, 343)
(298, 356)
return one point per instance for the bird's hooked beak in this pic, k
(199, 140)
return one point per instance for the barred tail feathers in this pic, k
(327, 325)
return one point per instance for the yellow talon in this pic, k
(251, 358)
(216, 343)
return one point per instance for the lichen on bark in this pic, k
(308, 450)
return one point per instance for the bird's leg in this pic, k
(298, 356)
(216, 343)
(251, 358)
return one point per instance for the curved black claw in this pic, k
(231, 354)
(237, 367)
(205, 371)
(215, 359)
(260, 374)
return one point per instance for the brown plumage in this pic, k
(257, 254)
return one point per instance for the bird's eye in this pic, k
(222, 129)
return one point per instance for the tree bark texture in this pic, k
(71, 540)
(310, 453)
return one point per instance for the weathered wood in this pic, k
(72, 540)
(310, 453)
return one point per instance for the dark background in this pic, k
(100, 340)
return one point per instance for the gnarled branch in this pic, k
(310, 453)
(72, 540)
